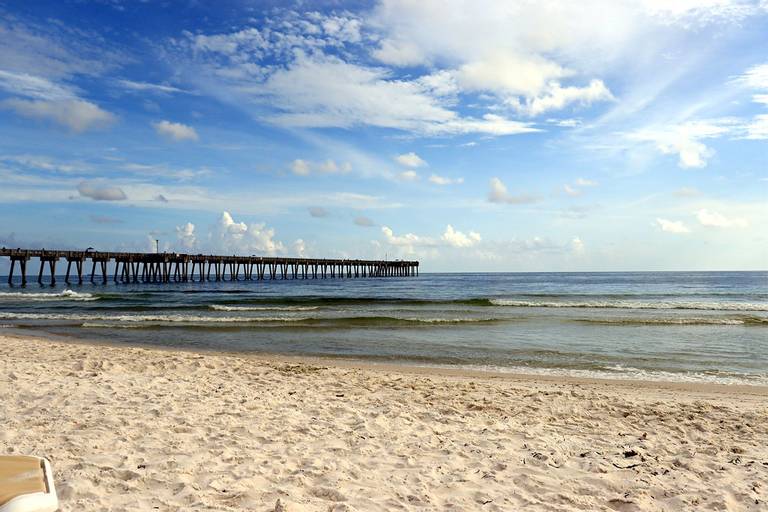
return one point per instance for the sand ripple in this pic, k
(139, 429)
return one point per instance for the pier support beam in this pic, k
(22, 259)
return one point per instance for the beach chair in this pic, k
(26, 484)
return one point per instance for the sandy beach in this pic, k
(147, 429)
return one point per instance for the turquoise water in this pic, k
(687, 326)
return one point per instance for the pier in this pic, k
(140, 267)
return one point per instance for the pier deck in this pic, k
(140, 267)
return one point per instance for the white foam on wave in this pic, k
(34, 296)
(90, 320)
(679, 321)
(619, 372)
(145, 318)
(221, 307)
(625, 304)
(447, 320)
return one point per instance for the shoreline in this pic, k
(414, 368)
(147, 428)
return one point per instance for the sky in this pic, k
(601, 135)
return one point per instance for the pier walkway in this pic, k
(139, 267)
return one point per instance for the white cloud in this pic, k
(672, 226)
(703, 11)
(687, 192)
(684, 140)
(45, 163)
(328, 92)
(521, 53)
(583, 182)
(301, 167)
(185, 234)
(31, 86)
(329, 167)
(755, 77)
(408, 176)
(300, 248)
(228, 236)
(407, 242)
(717, 220)
(500, 194)
(146, 86)
(77, 115)
(571, 191)
(101, 192)
(556, 97)
(315, 88)
(507, 73)
(399, 53)
(577, 246)
(565, 123)
(54, 50)
(458, 239)
(164, 171)
(442, 180)
(175, 131)
(240, 238)
(757, 128)
(410, 160)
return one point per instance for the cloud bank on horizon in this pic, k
(520, 135)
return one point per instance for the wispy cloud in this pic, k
(444, 180)
(77, 115)
(134, 86)
(685, 140)
(499, 194)
(714, 219)
(301, 167)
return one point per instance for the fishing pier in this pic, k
(140, 267)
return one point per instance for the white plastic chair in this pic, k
(26, 484)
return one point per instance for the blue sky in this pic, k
(483, 136)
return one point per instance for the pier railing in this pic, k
(166, 267)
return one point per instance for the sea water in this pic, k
(678, 326)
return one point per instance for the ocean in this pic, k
(671, 326)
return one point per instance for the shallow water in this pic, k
(692, 326)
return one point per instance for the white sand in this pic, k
(141, 429)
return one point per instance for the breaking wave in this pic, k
(742, 320)
(627, 304)
(39, 297)
(221, 307)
